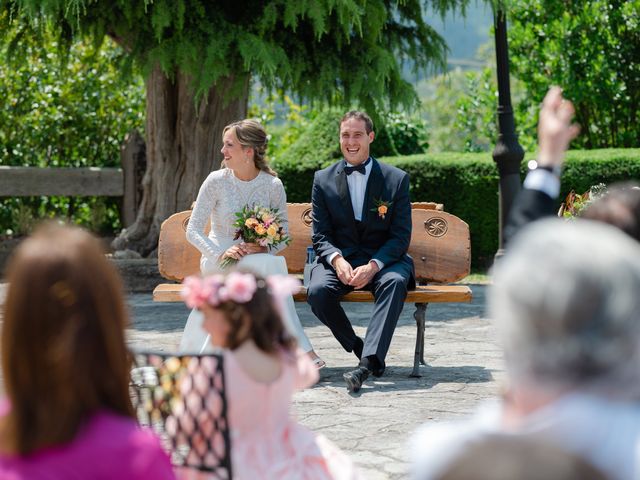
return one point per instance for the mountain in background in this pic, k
(463, 36)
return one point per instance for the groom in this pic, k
(361, 233)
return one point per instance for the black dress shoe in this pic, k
(377, 372)
(355, 378)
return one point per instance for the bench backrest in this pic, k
(440, 244)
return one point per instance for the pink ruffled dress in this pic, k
(266, 443)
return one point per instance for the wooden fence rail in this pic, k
(125, 182)
(34, 181)
(75, 182)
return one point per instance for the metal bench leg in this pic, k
(418, 358)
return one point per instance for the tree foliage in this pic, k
(64, 113)
(335, 50)
(71, 114)
(592, 50)
(198, 59)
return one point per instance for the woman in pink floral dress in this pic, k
(262, 371)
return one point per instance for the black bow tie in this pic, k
(358, 168)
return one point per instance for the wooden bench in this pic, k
(440, 248)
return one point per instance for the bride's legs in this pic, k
(293, 323)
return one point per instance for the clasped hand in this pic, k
(358, 277)
(241, 249)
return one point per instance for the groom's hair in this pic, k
(358, 115)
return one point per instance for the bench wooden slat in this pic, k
(170, 292)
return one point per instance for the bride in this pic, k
(246, 180)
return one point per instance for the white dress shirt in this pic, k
(543, 181)
(604, 432)
(357, 183)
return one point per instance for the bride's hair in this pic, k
(251, 134)
(63, 347)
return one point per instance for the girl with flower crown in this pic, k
(262, 371)
(246, 181)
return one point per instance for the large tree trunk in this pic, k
(183, 145)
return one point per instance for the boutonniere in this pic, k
(382, 207)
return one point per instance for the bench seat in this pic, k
(170, 292)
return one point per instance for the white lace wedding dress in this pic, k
(222, 195)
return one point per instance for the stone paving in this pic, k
(464, 367)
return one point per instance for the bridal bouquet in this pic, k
(258, 225)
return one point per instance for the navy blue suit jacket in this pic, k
(334, 226)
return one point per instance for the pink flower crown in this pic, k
(235, 287)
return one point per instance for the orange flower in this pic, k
(260, 230)
(381, 208)
(251, 222)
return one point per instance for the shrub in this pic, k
(65, 114)
(318, 140)
(467, 185)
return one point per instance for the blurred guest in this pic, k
(508, 457)
(565, 298)
(619, 207)
(67, 412)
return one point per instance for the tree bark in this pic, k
(183, 146)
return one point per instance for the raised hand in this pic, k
(555, 130)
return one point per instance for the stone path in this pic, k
(465, 366)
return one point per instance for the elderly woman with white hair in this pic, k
(566, 299)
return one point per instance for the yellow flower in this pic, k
(260, 230)
(250, 222)
(271, 231)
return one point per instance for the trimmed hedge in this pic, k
(396, 134)
(467, 184)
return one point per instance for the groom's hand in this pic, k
(363, 275)
(343, 269)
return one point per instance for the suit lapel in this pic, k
(375, 186)
(343, 192)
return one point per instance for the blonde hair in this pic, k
(251, 134)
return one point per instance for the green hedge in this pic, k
(467, 184)
(396, 134)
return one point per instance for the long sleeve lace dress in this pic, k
(221, 196)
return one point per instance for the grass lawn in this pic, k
(478, 277)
